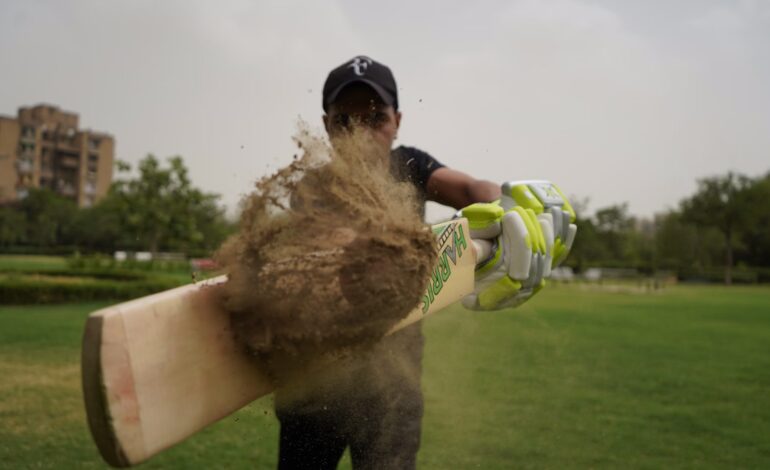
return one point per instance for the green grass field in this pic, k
(578, 378)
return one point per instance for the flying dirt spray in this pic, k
(331, 252)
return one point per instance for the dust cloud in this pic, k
(331, 252)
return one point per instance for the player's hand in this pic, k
(523, 234)
(515, 267)
(544, 197)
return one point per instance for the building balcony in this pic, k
(24, 167)
(69, 162)
(68, 146)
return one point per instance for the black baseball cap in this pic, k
(361, 69)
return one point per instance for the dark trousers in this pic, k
(372, 404)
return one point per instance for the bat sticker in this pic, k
(452, 251)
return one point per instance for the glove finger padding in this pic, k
(515, 272)
(544, 197)
(561, 248)
(493, 284)
(483, 219)
(546, 224)
(515, 237)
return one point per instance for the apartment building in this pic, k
(42, 147)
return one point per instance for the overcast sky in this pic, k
(614, 100)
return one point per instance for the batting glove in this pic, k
(514, 270)
(530, 230)
(545, 198)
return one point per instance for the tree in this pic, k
(609, 238)
(682, 246)
(756, 232)
(587, 249)
(720, 202)
(102, 227)
(13, 226)
(613, 228)
(160, 209)
(675, 241)
(49, 218)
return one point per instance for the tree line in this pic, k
(724, 228)
(157, 210)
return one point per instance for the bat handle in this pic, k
(483, 249)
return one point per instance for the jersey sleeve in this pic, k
(416, 165)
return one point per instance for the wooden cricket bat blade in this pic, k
(158, 369)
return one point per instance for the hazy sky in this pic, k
(614, 100)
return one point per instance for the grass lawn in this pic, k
(577, 378)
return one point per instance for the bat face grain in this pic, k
(156, 370)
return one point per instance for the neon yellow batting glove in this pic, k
(545, 198)
(515, 268)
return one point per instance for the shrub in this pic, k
(101, 261)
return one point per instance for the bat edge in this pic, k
(100, 422)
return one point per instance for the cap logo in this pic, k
(360, 64)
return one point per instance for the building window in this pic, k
(93, 163)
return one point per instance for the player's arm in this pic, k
(456, 189)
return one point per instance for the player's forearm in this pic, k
(483, 191)
(472, 192)
(457, 189)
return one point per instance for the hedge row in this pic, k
(104, 262)
(38, 250)
(100, 273)
(717, 275)
(18, 291)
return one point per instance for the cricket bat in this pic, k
(158, 369)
